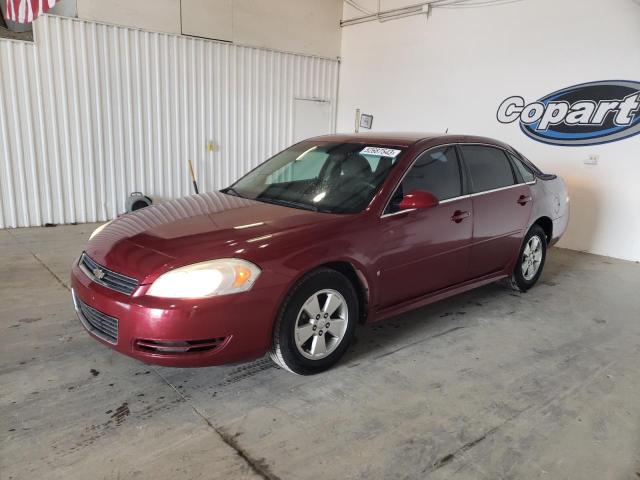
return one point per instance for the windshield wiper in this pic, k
(232, 191)
(288, 203)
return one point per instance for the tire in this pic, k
(523, 278)
(316, 294)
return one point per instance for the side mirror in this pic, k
(418, 199)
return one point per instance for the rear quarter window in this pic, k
(526, 174)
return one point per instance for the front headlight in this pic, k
(99, 229)
(206, 279)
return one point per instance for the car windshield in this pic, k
(330, 177)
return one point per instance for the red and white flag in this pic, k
(26, 11)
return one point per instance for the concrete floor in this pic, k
(488, 385)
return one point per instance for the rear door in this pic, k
(501, 208)
(425, 250)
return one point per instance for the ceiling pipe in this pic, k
(386, 15)
(404, 15)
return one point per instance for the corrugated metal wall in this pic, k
(92, 112)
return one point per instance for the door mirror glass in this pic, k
(418, 199)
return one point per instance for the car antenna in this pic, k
(193, 177)
(446, 131)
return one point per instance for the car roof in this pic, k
(405, 139)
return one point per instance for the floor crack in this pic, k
(448, 458)
(41, 262)
(417, 342)
(258, 466)
(442, 461)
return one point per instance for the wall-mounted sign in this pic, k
(586, 114)
(366, 121)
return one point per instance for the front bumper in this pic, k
(174, 332)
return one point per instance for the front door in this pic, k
(501, 209)
(422, 251)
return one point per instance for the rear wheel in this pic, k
(316, 323)
(530, 261)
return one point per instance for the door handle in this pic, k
(459, 215)
(524, 199)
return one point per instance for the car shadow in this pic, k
(383, 338)
(446, 316)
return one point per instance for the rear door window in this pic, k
(489, 167)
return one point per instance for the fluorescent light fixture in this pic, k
(249, 225)
(319, 197)
(257, 239)
(301, 156)
(99, 229)
(386, 15)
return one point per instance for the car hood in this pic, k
(193, 229)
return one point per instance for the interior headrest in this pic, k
(355, 165)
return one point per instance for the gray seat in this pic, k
(354, 167)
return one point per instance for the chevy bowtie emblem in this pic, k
(99, 274)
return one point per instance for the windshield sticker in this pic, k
(381, 152)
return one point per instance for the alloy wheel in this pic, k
(321, 324)
(531, 258)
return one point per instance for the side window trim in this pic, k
(464, 188)
(514, 170)
(534, 169)
(464, 169)
(513, 156)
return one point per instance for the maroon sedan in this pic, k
(333, 231)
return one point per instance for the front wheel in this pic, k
(316, 323)
(530, 261)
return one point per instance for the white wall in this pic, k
(208, 18)
(92, 112)
(65, 8)
(454, 69)
(305, 26)
(311, 27)
(154, 15)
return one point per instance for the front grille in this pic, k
(107, 278)
(173, 347)
(98, 323)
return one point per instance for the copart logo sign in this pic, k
(586, 114)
